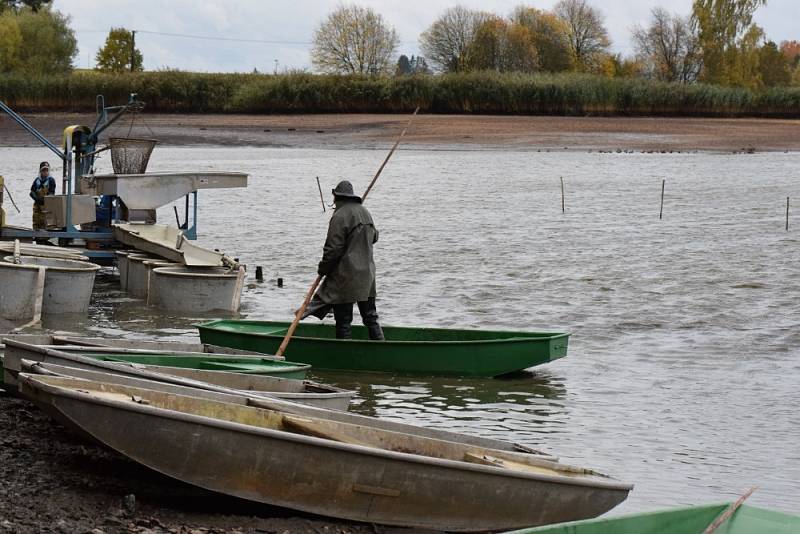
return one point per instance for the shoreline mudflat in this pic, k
(53, 481)
(466, 132)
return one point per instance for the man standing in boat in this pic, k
(348, 266)
(43, 185)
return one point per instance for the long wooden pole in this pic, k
(661, 211)
(389, 155)
(318, 279)
(563, 206)
(724, 516)
(321, 198)
(787, 214)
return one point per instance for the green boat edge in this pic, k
(683, 520)
(495, 353)
(278, 369)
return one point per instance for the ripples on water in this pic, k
(683, 369)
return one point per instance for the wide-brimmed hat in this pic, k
(44, 165)
(344, 189)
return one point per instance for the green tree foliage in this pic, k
(446, 43)
(487, 49)
(408, 66)
(668, 47)
(773, 66)
(588, 37)
(549, 36)
(617, 66)
(502, 46)
(403, 65)
(48, 44)
(10, 42)
(729, 41)
(119, 52)
(354, 40)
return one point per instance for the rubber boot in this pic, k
(369, 315)
(375, 332)
(343, 314)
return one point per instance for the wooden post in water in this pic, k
(787, 214)
(661, 211)
(563, 206)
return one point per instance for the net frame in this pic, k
(130, 155)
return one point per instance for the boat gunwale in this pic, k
(281, 364)
(137, 372)
(122, 366)
(722, 506)
(288, 369)
(331, 392)
(541, 336)
(166, 413)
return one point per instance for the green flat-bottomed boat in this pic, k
(687, 520)
(257, 366)
(253, 364)
(429, 351)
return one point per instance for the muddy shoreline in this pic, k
(467, 132)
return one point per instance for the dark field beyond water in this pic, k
(683, 369)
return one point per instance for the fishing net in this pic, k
(130, 156)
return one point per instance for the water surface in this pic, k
(683, 369)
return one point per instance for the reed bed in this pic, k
(478, 92)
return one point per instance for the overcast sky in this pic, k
(289, 25)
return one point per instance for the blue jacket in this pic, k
(38, 183)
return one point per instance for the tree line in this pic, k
(716, 43)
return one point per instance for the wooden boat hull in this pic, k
(686, 520)
(427, 351)
(229, 449)
(303, 391)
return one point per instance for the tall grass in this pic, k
(481, 92)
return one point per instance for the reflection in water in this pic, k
(530, 406)
(683, 365)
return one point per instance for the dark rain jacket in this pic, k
(347, 261)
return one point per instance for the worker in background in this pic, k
(43, 185)
(348, 266)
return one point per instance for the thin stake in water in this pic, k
(787, 214)
(661, 211)
(563, 205)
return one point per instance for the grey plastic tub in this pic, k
(67, 285)
(196, 289)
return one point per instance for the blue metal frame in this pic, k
(82, 144)
(84, 161)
